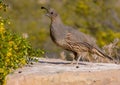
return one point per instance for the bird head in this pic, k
(51, 13)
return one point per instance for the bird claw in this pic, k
(77, 66)
(116, 62)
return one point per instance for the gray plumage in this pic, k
(71, 39)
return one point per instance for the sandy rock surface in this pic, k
(59, 72)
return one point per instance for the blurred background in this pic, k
(99, 18)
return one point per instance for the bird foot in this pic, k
(77, 66)
(116, 62)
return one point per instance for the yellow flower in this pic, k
(1, 70)
(10, 49)
(15, 47)
(2, 24)
(23, 61)
(11, 43)
(2, 29)
(9, 54)
(7, 60)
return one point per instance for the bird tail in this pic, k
(101, 54)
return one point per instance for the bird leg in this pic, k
(72, 62)
(77, 63)
(74, 57)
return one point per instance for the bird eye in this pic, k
(51, 12)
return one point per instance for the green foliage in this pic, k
(106, 37)
(15, 51)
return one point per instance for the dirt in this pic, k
(60, 72)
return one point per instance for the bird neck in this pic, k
(56, 29)
(57, 25)
(56, 20)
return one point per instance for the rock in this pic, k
(59, 72)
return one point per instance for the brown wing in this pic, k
(79, 47)
(75, 46)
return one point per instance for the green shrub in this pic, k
(105, 37)
(15, 51)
